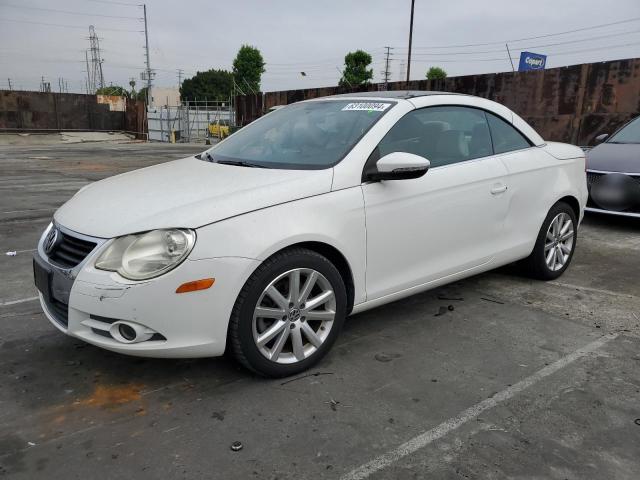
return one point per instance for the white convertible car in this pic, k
(266, 242)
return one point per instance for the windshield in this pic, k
(307, 135)
(629, 134)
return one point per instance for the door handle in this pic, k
(498, 189)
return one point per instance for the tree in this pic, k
(436, 73)
(142, 94)
(214, 85)
(355, 69)
(113, 90)
(248, 68)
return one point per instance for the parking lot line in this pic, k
(28, 211)
(54, 185)
(470, 413)
(14, 302)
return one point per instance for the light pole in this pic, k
(410, 38)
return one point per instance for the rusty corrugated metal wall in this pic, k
(67, 111)
(569, 104)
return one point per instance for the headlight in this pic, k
(147, 255)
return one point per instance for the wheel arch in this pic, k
(336, 257)
(572, 202)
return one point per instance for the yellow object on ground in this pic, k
(219, 128)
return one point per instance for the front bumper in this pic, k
(595, 176)
(613, 212)
(180, 325)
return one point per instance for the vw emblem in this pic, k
(294, 314)
(50, 240)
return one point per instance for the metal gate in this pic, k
(188, 122)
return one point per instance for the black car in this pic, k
(613, 172)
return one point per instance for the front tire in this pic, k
(288, 314)
(555, 244)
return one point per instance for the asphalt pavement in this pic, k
(517, 379)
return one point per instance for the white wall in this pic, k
(163, 96)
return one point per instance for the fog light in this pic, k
(127, 332)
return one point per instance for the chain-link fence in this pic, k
(193, 122)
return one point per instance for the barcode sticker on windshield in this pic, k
(366, 106)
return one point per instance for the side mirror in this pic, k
(600, 138)
(399, 166)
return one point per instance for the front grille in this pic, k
(595, 177)
(59, 310)
(69, 251)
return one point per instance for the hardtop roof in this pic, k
(399, 94)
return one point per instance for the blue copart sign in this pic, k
(531, 61)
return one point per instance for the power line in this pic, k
(67, 12)
(9, 20)
(501, 42)
(317, 62)
(567, 52)
(600, 37)
(116, 3)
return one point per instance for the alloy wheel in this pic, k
(294, 315)
(559, 241)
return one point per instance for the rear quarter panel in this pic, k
(537, 180)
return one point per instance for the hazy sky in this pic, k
(309, 36)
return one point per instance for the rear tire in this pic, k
(555, 244)
(288, 314)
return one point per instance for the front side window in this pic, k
(307, 135)
(443, 135)
(628, 134)
(505, 137)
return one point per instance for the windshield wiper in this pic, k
(240, 163)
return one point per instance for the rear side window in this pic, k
(505, 137)
(443, 135)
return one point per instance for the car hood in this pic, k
(187, 193)
(615, 157)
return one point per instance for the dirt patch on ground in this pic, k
(109, 397)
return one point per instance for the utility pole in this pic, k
(10, 87)
(45, 87)
(148, 72)
(410, 39)
(513, 69)
(386, 73)
(88, 80)
(97, 77)
(180, 72)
